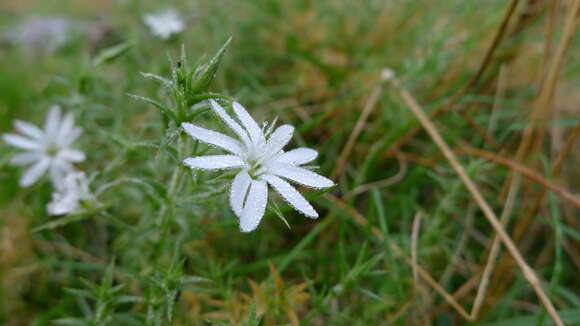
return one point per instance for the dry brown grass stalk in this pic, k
(356, 131)
(381, 183)
(493, 252)
(359, 219)
(527, 272)
(499, 35)
(525, 171)
(414, 245)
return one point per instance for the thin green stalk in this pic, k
(380, 209)
(558, 265)
(174, 184)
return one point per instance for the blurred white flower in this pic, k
(42, 35)
(262, 161)
(66, 198)
(164, 24)
(47, 149)
(387, 74)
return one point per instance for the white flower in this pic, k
(262, 161)
(164, 24)
(66, 199)
(41, 34)
(387, 74)
(48, 149)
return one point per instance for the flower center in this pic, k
(254, 168)
(52, 149)
(256, 157)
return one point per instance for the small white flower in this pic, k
(262, 161)
(66, 199)
(41, 34)
(48, 149)
(164, 24)
(387, 74)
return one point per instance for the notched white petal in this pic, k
(28, 129)
(298, 156)
(22, 142)
(65, 128)
(238, 192)
(231, 123)
(279, 138)
(214, 162)
(291, 195)
(254, 207)
(299, 175)
(249, 123)
(34, 172)
(25, 158)
(72, 155)
(71, 136)
(52, 124)
(213, 138)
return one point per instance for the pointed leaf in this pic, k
(112, 53)
(156, 104)
(206, 73)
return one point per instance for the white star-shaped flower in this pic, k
(47, 149)
(67, 197)
(164, 24)
(262, 161)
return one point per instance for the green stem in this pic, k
(165, 212)
(558, 255)
(201, 97)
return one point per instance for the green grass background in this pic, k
(312, 64)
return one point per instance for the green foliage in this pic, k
(187, 87)
(179, 258)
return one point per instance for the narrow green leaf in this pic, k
(162, 80)
(156, 104)
(112, 53)
(70, 218)
(206, 73)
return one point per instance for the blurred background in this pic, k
(500, 79)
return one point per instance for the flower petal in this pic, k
(238, 192)
(279, 138)
(29, 129)
(72, 155)
(214, 162)
(299, 175)
(221, 112)
(25, 158)
(52, 123)
(65, 128)
(213, 138)
(71, 136)
(249, 123)
(291, 195)
(254, 207)
(22, 142)
(59, 169)
(298, 156)
(35, 172)
(62, 204)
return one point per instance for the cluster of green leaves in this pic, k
(188, 88)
